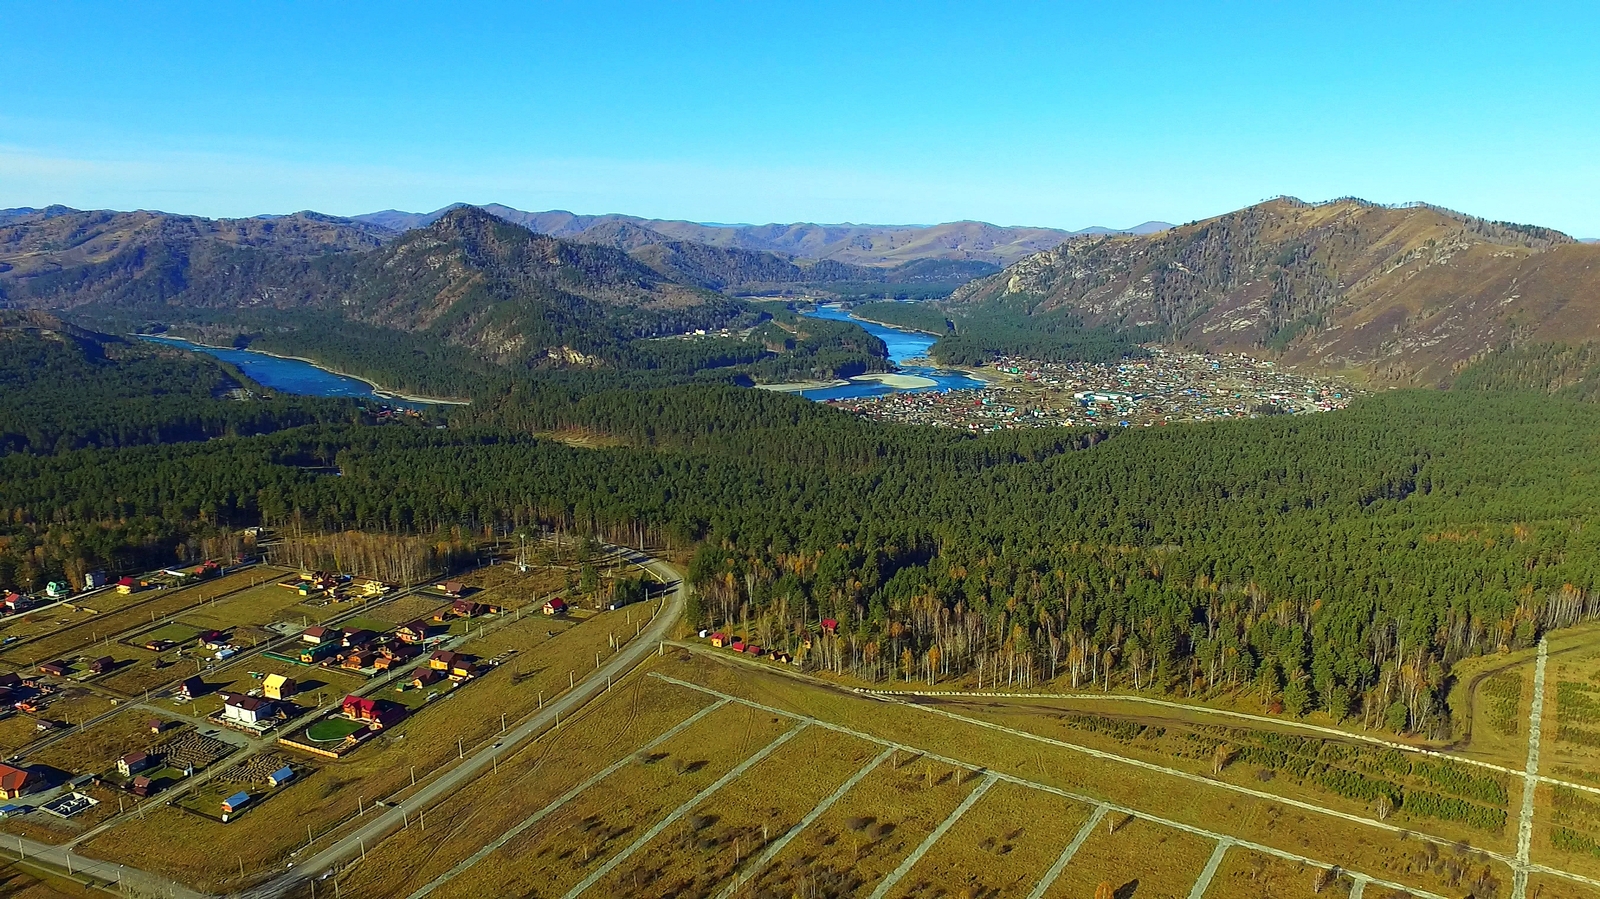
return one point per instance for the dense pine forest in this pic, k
(1341, 562)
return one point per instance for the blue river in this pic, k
(291, 375)
(903, 345)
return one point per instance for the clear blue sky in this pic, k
(1062, 114)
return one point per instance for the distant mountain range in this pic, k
(869, 245)
(1408, 295)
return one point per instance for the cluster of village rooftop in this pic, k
(733, 643)
(259, 711)
(1167, 387)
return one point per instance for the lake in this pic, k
(294, 375)
(903, 345)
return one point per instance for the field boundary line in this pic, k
(560, 801)
(1087, 800)
(684, 809)
(1530, 780)
(938, 833)
(1203, 882)
(1062, 860)
(760, 862)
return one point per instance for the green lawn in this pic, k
(331, 730)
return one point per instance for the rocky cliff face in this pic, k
(1407, 295)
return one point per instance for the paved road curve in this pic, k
(392, 818)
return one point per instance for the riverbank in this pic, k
(863, 318)
(378, 390)
(798, 386)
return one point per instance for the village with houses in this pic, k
(219, 690)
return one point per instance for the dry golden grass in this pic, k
(1000, 847)
(18, 882)
(614, 726)
(1350, 844)
(409, 608)
(97, 749)
(259, 605)
(1251, 875)
(1543, 886)
(562, 849)
(701, 851)
(1137, 857)
(868, 832)
(47, 828)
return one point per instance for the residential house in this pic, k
(358, 638)
(356, 661)
(426, 677)
(10, 680)
(719, 639)
(278, 687)
(413, 632)
(102, 665)
(57, 668)
(15, 782)
(56, 589)
(380, 713)
(157, 725)
(317, 635)
(443, 660)
(312, 654)
(133, 763)
(94, 580)
(247, 709)
(142, 786)
(16, 602)
(453, 589)
(127, 585)
(192, 688)
(830, 626)
(556, 606)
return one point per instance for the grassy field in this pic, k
(97, 748)
(863, 837)
(740, 820)
(206, 853)
(1264, 820)
(1000, 847)
(259, 605)
(1138, 858)
(1251, 875)
(611, 729)
(578, 838)
(25, 882)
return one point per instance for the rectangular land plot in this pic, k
(1137, 857)
(869, 832)
(576, 840)
(259, 605)
(617, 725)
(1000, 847)
(1250, 875)
(97, 749)
(696, 855)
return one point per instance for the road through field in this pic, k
(394, 817)
(1530, 782)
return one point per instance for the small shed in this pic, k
(94, 580)
(127, 585)
(830, 626)
(719, 639)
(280, 777)
(235, 802)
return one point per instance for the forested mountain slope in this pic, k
(1409, 294)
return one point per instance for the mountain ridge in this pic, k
(1410, 294)
(858, 244)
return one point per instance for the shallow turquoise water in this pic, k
(902, 345)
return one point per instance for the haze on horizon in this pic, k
(1061, 116)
